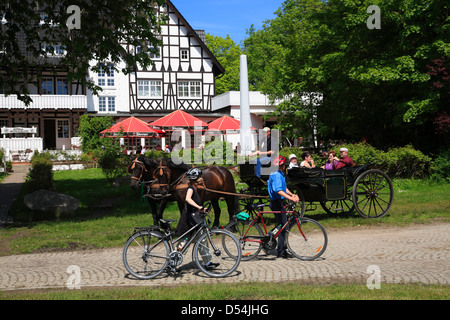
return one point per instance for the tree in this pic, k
(89, 130)
(228, 54)
(34, 32)
(375, 82)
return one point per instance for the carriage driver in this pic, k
(278, 191)
(191, 214)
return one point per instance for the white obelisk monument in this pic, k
(245, 133)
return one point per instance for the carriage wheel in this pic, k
(345, 206)
(373, 194)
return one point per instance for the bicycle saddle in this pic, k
(167, 221)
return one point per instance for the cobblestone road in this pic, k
(415, 254)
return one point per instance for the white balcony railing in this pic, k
(45, 102)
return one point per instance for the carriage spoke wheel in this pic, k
(344, 206)
(373, 194)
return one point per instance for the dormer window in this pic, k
(54, 50)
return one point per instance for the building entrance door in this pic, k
(49, 134)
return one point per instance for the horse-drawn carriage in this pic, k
(365, 189)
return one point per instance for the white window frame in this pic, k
(149, 89)
(106, 104)
(106, 79)
(184, 54)
(189, 89)
(111, 104)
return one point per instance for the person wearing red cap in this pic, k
(278, 192)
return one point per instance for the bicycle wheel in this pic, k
(210, 248)
(250, 238)
(145, 256)
(307, 239)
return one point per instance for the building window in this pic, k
(184, 54)
(47, 86)
(152, 53)
(106, 76)
(61, 86)
(189, 89)
(54, 50)
(149, 89)
(63, 128)
(106, 104)
(102, 104)
(111, 104)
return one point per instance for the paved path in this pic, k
(10, 189)
(415, 254)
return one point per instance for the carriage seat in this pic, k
(305, 173)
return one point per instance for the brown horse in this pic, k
(214, 178)
(153, 175)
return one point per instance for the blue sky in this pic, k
(227, 17)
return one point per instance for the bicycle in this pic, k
(151, 250)
(306, 238)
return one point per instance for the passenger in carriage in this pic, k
(331, 162)
(345, 160)
(293, 161)
(307, 162)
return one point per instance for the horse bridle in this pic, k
(161, 172)
(141, 165)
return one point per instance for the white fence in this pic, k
(46, 102)
(20, 149)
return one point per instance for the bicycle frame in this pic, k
(260, 216)
(201, 226)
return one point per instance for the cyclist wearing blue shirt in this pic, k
(278, 192)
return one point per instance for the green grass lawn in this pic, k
(243, 291)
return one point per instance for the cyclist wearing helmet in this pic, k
(191, 213)
(278, 192)
(193, 204)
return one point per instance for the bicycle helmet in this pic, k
(279, 161)
(194, 174)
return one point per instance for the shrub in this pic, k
(40, 175)
(441, 166)
(112, 161)
(407, 162)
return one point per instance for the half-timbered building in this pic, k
(182, 77)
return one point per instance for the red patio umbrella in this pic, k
(178, 118)
(131, 127)
(225, 123)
